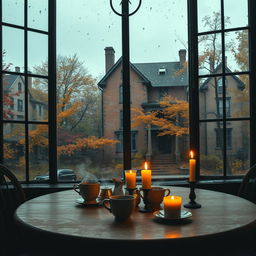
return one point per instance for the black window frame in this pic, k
(195, 121)
(51, 77)
(193, 83)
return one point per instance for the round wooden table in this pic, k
(58, 216)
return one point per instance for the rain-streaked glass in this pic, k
(13, 12)
(37, 53)
(13, 48)
(211, 148)
(38, 14)
(14, 149)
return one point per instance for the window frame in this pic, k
(194, 122)
(51, 77)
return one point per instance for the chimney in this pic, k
(17, 69)
(109, 58)
(182, 55)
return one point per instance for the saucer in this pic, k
(183, 215)
(81, 201)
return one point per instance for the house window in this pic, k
(219, 86)
(121, 94)
(11, 102)
(39, 110)
(221, 107)
(121, 119)
(119, 137)
(20, 105)
(19, 87)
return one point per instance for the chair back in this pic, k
(247, 188)
(11, 196)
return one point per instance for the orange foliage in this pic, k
(167, 118)
(91, 142)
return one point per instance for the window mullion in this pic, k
(193, 80)
(52, 99)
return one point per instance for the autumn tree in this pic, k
(77, 104)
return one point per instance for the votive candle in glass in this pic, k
(172, 206)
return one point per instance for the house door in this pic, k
(165, 144)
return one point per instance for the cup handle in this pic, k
(168, 191)
(104, 204)
(75, 187)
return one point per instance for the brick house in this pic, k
(211, 107)
(149, 83)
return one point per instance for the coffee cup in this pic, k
(121, 206)
(156, 196)
(88, 191)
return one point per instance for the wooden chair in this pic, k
(11, 196)
(247, 188)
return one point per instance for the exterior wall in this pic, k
(112, 108)
(208, 110)
(154, 94)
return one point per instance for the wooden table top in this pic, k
(60, 214)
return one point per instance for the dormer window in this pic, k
(161, 71)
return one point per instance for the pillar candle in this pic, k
(146, 177)
(192, 167)
(172, 206)
(130, 178)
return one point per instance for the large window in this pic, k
(25, 44)
(223, 73)
(62, 104)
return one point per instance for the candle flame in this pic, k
(146, 165)
(191, 154)
(172, 197)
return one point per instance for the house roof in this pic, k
(204, 85)
(163, 74)
(158, 74)
(8, 81)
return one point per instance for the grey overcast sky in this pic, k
(157, 31)
(85, 27)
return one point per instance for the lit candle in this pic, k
(192, 167)
(172, 206)
(130, 178)
(146, 177)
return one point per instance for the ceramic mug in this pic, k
(121, 206)
(156, 196)
(88, 191)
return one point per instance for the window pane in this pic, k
(13, 12)
(13, 47)
(38, 99)
(237, 49)
(38, 152)
(233, 11)
(237, 92)
(38, 14)
(238, 142)
(211, 98)
(37, 53)
(208, 15)
(163, 63)
(14, 97)
(210, 54)
(14, 149)
(211, 148)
